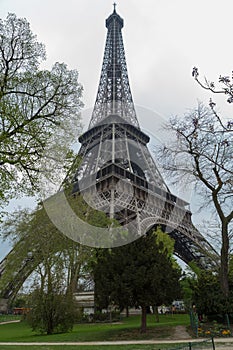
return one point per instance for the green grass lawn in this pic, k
(128, 329)
(86, 347)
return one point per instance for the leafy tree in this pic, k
(52, 311)
(188, 283)
(56, 264)
(52, 305)
(34, 237)
(207, 295)
(140, 274)
(201, 153)
(109, 289)
(38, 108)
(50, 263)
(187, 290)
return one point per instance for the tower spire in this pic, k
(114, 95)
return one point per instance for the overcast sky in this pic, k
(163, 40)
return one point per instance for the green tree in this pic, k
(109, 289)
(53, 311)
(52, 304)
(207, 295)
(37, 108)
(35, 238)
(187, 283)
(141, 273)
(50, 263)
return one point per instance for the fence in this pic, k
(194, 322)
(203, 345)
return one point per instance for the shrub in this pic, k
(51, 313)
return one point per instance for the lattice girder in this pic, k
(114, 94)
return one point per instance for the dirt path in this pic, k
(181, 333)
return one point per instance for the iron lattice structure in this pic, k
(26, 266)
(118, 174)
(114, 94)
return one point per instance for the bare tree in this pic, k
(201, 152)
(225, 84)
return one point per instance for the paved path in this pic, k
(221, 343)
(5, 322)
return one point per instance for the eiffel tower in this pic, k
(117, 174)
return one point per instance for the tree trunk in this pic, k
(50, 325)
(143, 319)
(127, 311)
(50, 322)
(74, 278)
(224, 260)
(156, 314)
(224, 282)
(49, 303)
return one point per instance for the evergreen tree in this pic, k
(139, 274)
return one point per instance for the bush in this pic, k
(51, 313)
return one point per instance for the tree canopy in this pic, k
(139, 274)
(35, 239)
(37, 108)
